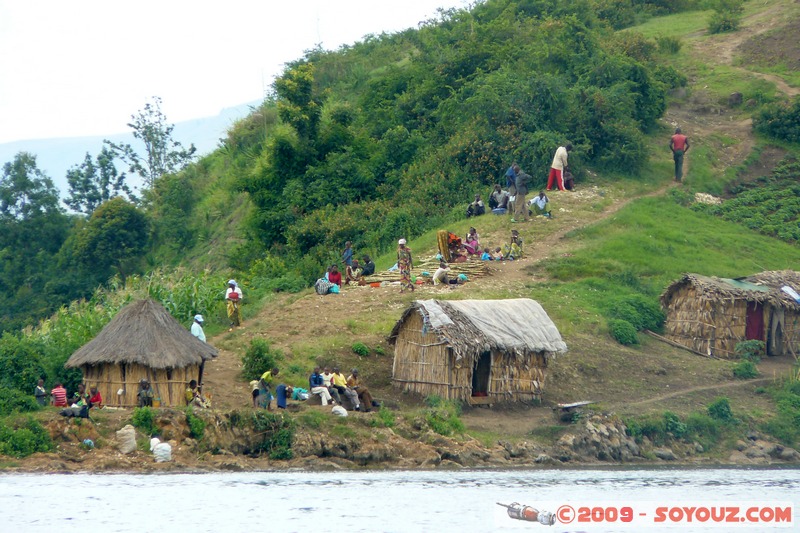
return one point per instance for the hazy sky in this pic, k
(79, 68)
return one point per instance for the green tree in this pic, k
(94, 182)
(25, 191)
(114, 238)
(162, 154)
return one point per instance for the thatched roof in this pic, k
(518, 326)
(764, 287)
(143, 332)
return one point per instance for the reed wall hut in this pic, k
(142, 341)
(711, 315)
(478, 351)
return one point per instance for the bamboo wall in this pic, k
(426, 366)
(715, 326)
(168, 386)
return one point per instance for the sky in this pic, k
(73, 69)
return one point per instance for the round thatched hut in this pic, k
(478, 351)
(142, 341)
(712, 315)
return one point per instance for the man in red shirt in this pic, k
(59, 394)
(679, 144)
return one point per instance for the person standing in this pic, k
(59, 395)
(405, 263)
(40, 393)
(679, 144)
(347, 254)
(197, 328)
(558, 167)
(520, 205)
(233, 295)
(511, 185)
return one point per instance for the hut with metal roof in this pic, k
(478, 351)
(143, 341)
(711, 315)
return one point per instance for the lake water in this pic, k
(463, 501)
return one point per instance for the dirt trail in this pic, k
(292, 318)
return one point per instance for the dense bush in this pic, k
(779, 121)
(720, 409)
(197, 425)
(674, 425)
(752, 350)
(785, 425)
(384, 418)
(360, 349)
(13, 400)
(745, 370)
(144, 419)
(442, 416)
(259, 358)
(623, 331)
(642, 313)
(726, 17)
(278, 432)
(23, 437)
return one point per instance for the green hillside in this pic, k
(392, 137)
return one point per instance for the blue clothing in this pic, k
(281, 392)
(511, 177)
(316, 381)
(347, 256)
(485, 256)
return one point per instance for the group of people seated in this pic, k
(329, 384)
(501, 202)
(77, 405)
(355, 273)
(192, 396)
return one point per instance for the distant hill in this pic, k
(56, 156)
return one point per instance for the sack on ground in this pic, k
(338, 410)
(126, 439)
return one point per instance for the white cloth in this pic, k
(339, 410)
(228, 292)
(323, 394)
(326, 379)
(163, 452)
(440, 275)
(540, 202)
(560, 159)
(197, 331)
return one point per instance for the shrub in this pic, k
(197, 425)
(379, 350)
(278, 434)
(721, 22)
(779, 121)
(144, 419)
(623, 331)
(384, 418)
(668, 44)
(12, 400)
(24, 437)
(673, 425)
(360, 349)
(654, 428)
(703, 428)
(752, 350)
(289, 283)
(442, 416)
(720, 409)
(259, 358)
(745, 370)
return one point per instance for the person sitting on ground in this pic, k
(324, 286)
(233, 297)
(365, 398)
(460, 255)
(472, 242)
(197, 328)
(440, 276)
(316, 384)
(95, 400)
(498, 254)
(513, 250)
(486, 255)
(327, 382)
(80, 398)
(476, 208)
(540, 205)
(194, 397)
(340, 384)
(352, 273)
(40, 393)
(265, 388)
(368, 268)
(498, 201)
(334, 276)
(145, 394)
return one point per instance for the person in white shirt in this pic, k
(440, 276)
(540, 205)
(197, 328)
(559, 166)
(233, 295)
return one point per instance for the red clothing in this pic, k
(96, 400)
(556, 177)
(59, 395)
(679, 142)
(335, 277)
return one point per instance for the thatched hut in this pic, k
(142, 341)
(711, 315)
(478, 351)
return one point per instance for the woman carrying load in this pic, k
(405, 263)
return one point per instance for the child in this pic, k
(498, 254)
(347, 255)
(486, 256)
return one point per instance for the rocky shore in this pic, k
(229, 445)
